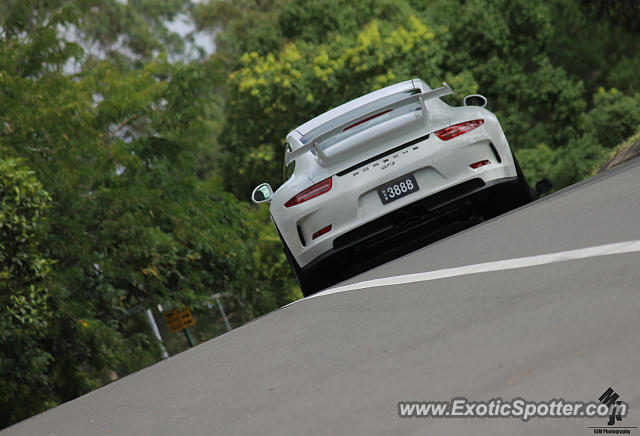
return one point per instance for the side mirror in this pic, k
(262, 193)
(543, 186)
(475, 100)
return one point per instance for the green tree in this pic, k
(25, 311)
(137, 217)
(614, 117)
(280, 91)
(537, 65)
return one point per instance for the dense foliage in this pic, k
(24, 296)
(126, 160)
(558, 76)
(136, 217)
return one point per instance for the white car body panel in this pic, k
(356, 172)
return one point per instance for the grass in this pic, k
(618, 149)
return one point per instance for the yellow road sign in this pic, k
(178, 321)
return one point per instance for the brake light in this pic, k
(366, 119)
(458, 129)
(309, 193)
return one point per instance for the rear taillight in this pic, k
(458, 129)
(309, 193)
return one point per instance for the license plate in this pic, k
(397, 189)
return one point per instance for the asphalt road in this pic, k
(340, 363)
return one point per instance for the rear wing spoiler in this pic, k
(314, 142)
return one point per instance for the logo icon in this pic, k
(610, 397)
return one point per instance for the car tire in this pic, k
(524, 193)
(309, 283)
(508, 196)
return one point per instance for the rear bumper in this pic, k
(353, 201)
(412, 223)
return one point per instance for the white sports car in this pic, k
(386, 169)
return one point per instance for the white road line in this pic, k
(500, 265)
